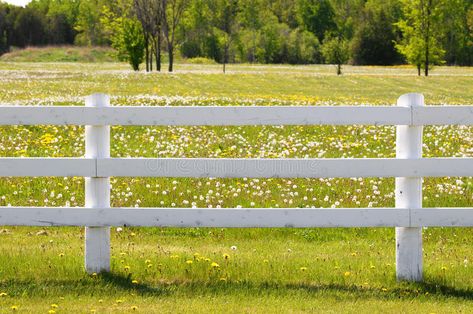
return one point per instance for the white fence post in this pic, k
(409, 196)
(97, 191)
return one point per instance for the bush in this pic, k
(200, 60)
(303, 48)
(335, 51)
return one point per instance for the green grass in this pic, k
(272, 270)
(60, 54)
(310, 84)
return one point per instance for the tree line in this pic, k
(361, 32)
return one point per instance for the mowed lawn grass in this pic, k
(232, 270)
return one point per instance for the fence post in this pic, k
(409, 196)
(97, 191)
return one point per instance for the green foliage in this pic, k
(457, 34)
(373, 42)
(420, 28)
(88, 25)
(303, 47)
(199, 60)
(335, 51)
(267, 31)
(317, 16)
(126, 35)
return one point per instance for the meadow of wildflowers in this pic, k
(234, 270)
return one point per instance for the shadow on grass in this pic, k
(433, 286)
(112, 283)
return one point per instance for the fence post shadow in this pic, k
(125, 283)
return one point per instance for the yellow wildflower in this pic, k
(347, 274)
(214, 265)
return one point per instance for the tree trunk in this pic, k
(171, 57)
(225, 58)
(427, 38)
(158, 53)
(151, 59)
(339, 69)
(147, 53)
(427, 60)
(418, 69)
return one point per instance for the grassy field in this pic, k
(232, 270)
(60, 54)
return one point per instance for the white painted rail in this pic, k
(235, 167)
(237, 217)
(408, 168)
(250, 115)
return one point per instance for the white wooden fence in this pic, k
(409, 167)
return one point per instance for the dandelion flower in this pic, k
(54, 306)
(189, 262)
(347, 274)
(226, 256)
(61, 254)
(3, 294)
(127, 268)
(134, 308)
(223, 279)
(303, 268)
(214, 265)
(51, 312)
(119, 301)
(444, 268)
(135, 282)
(14, 307)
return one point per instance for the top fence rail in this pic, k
(227, 116)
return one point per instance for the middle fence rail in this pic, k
(408, 169)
